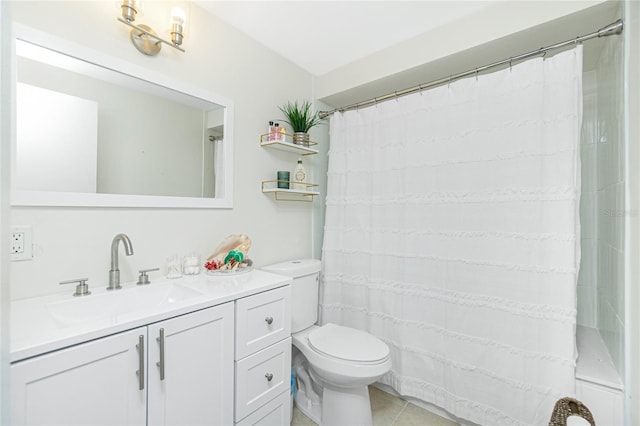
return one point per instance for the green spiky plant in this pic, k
(299, 116)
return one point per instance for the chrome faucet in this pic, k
(114, 273)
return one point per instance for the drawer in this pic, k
(253, 387)
(262, 320)
(276, 412)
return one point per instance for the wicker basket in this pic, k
(566, 407)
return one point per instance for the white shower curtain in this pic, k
(452, 234)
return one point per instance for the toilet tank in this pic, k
(304, 290)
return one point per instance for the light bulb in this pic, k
(178, 16)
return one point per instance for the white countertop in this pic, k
(34, 330)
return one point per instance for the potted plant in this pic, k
(301, 119)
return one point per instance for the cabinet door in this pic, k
(94, 383)
(197, 385)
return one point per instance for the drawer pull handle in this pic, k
(161, 363)
(140, 347)
(269, 377)
(269, 320)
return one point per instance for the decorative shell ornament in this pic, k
(231, 254)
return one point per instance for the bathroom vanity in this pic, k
(195, 350)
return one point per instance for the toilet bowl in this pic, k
(343, 361)
(333, 364)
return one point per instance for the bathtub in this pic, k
(598, 384)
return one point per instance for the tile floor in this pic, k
(388, 410)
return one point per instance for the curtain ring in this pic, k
(375, 101)
(449, 83)
(420, 89)
(510, 65)
(396, 93)
(476, 74)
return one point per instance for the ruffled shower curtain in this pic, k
(452, 234)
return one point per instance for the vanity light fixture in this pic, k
(143, 37)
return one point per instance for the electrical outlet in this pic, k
(21, 244)
(17, 242)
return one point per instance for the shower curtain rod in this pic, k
(611, 29)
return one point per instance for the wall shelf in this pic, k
(284, 194)
(271, 186)
(285, 145)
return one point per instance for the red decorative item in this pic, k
(213, 265)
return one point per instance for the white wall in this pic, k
(75, 242)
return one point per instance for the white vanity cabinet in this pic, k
(187, 376)
(190, 369)
(263, 358)
(95, 382)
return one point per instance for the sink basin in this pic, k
(115, 303)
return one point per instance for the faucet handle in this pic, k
(144, 278)
(82, 289)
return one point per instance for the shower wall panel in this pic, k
(610, 204)
(602, 203)
(587, 278)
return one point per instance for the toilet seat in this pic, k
(348, 344)
(331, 370)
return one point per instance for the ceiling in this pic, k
(321, 36)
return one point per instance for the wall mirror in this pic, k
(93, 130)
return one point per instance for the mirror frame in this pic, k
(75, 199)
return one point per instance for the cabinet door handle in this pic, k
(161, 363)
(269, 377)
(269, 320)
(140, 371)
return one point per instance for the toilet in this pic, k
(333, 365)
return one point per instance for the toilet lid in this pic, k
(348, 344)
